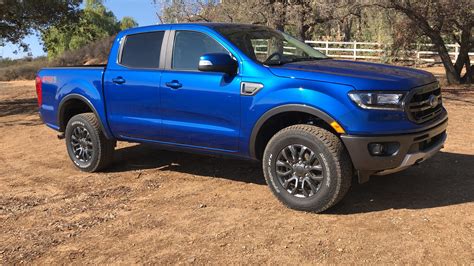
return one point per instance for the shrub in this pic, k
(93, 53)
(21, 69)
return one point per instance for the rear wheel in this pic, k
(87, 146)
(307, 168)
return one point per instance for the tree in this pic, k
(95, 22)
(20, 18)
(176, 11)
(127, 23)
(441, 20)
(298, 17)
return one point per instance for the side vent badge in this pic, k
(250, 88)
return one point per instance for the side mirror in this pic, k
(218, 62)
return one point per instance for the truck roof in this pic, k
(189, 24)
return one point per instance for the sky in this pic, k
(143, 11)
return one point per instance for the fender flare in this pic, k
(88, 103)
(282, 109)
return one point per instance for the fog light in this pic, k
(376, 148)
(384, 148)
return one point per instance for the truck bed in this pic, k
(78, 66)
(81, 81)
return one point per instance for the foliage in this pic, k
(20, 18)
(95, 23)
(94, 53)
(299, 17)
(127, 23)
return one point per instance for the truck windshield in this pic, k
(268, 46)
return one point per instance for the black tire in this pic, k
(99, 149)
(334, 166)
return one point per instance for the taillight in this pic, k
(39, 91)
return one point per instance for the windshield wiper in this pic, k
(275, 63)
(293, 60)
(300, 59)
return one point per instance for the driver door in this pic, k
(199, 109)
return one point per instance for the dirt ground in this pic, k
(158, 206)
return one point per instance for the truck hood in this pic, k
(360, 75)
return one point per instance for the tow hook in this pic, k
(61, 136)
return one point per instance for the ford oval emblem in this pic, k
(433, 101)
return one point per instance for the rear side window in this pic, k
(142, 50)
(189, 46)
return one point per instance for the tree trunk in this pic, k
(468, 78)
(463, 59)
(280, 26)
(300, 25)
(452, 75)
(277, 15)
(453, 71)
(347, 29)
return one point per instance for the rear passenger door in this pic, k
(131, 87)
(199, 109)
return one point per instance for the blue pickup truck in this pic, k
(250, 92)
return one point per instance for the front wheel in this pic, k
(87, 146)
(307, 168)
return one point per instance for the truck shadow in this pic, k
(144, 156)
(444, 180)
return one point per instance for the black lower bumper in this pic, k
(413, 148)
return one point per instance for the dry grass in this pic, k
(21, 69)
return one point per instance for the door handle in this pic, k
(118, 80)
(174, 84)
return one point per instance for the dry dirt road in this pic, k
(157, 206)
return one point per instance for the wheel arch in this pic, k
(68, 107)
(255, 144)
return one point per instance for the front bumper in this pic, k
(414, 148)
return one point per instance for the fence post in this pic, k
(327, 47)
(417, 60)
(355, 50)
(456, 52)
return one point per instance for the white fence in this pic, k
(368, 51)
(378, 51)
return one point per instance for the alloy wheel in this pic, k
(81, 143)
(299, 171)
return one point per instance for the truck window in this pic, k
(189, 46)
(142, 50)
(268, 46)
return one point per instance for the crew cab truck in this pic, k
(251, 92)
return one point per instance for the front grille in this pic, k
(425, 103)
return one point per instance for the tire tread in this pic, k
(338, 152)
(107, 146)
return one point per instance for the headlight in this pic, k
(378, 100)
